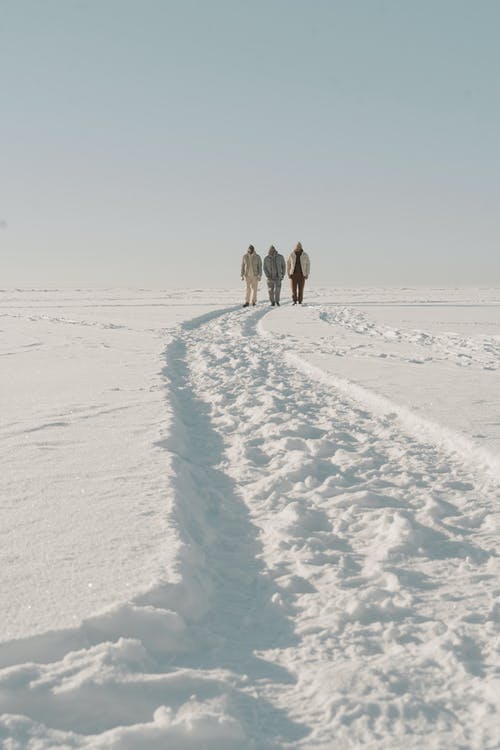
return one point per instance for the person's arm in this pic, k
(243, 268)
(282, 267)
(308, 268)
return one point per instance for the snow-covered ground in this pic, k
(249, 528)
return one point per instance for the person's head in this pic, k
(251, 249)
(298, 247)
(272, 250)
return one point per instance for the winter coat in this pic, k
(305, 263)
(256, 262)
(274, 266)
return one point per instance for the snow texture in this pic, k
(277, 546)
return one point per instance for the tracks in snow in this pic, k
(479, 351)
(336, 580)
(379, 547)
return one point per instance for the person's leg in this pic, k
(270, 289)
(293, 284)
(277, 291)
(254, 290)
(248, 290)
(301, 283)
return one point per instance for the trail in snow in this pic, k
(448, 379)
(337, 580)
(417, 346)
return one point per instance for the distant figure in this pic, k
(298, 267)
(274, 269)
(251, 272)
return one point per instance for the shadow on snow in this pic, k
(225, 595)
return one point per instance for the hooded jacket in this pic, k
(304, 261)
(274, 265)
(256, 266)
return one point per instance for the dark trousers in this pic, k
(297, 283)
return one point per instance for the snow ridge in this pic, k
(479, 351)
(335, 583)
(480, 460)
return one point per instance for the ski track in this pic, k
(62, 320)
(479, 351)
(336, 586)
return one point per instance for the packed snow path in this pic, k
(337, 578)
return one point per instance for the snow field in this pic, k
(336, 578)
(84, 404)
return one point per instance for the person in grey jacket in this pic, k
(274, 269)
(251, 272)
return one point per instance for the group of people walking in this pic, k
(297, 268)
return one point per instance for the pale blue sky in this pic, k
(147, 142)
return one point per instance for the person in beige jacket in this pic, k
(251, 271)
(298, 268)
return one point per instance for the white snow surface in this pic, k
(251, 528)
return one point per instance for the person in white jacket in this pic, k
(251, 272)
(298, 267)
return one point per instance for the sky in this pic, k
(148, 142)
